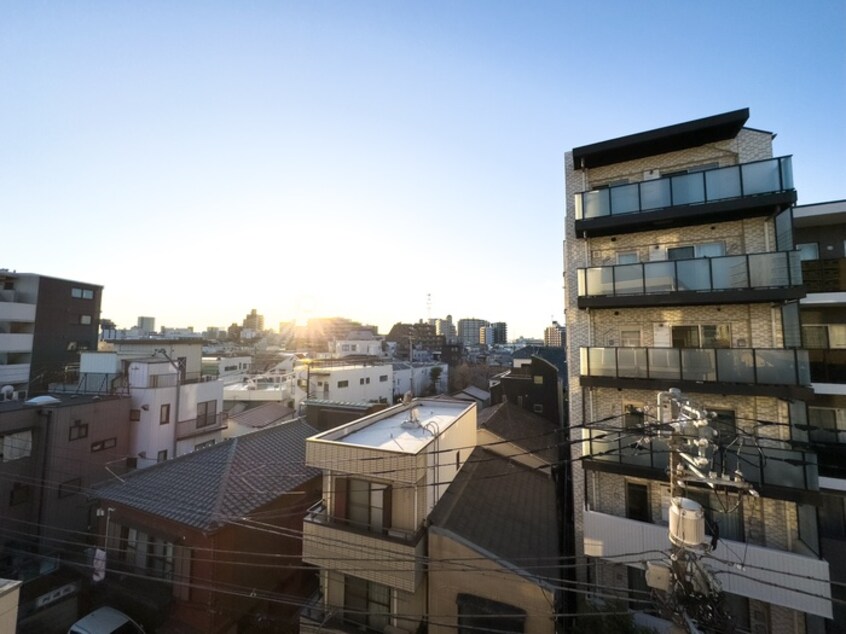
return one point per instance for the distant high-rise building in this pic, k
(469, 330)
(554, 335)
(445, 328)
(254, 321)
(500, 332)
(147, 325)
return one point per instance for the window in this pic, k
(161, 456)
(85, 320)
(78, 430)
(20, 494)
(627, 257)
(135, 414)
(537, 379)
(367, 603)
(164, 414)
(723, 517)
(639, 592)
(633, 417)
(15, 446)
(808, 251)
(704, 336)
(637, 502)
(70, 487)
(537, 408)
(630, 338)
(102, 445)
(705, 250)
(204, 445)
(82, 293)
(383, 378)
(479, 614)
(725, 424)
(343, 383)
(824, 336)
(361, 381)
(827, 423)
(206, 413)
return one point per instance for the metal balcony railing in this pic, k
(736, 181)
(725, 273)
(201, 425)
(756, 366)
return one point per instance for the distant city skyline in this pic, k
(332, 158)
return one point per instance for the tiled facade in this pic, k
(600, 484)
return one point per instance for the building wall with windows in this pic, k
(44, 324)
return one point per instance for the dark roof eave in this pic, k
(661, 140)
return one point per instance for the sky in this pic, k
(382, 161)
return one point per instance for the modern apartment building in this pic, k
(820, 234)
(469, 330)
(44, 323)
(681, 272)
(382, 476)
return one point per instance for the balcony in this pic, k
(766, 574)
(14, 373)
(716, 195)
(15, 342)
(779, 372)
(17, 311)
(777, 472)
(201, 425)
(395, 559)
(825, 276)
(757, 277)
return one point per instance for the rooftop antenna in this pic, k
(428, 307)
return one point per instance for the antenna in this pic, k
(428, 307)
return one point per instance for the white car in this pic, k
(105, 620)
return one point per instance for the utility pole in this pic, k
(689, 595)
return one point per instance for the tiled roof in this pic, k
(210, 487)
(504, 509)
(523, 428)
(262, 415)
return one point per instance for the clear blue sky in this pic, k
(199, 159)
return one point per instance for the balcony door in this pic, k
(363, 504)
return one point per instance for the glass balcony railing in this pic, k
(749, 179)
(731, 272)
(762, 466)
(755, 366)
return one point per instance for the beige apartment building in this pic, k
(681, 272)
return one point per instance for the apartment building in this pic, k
(820, 234)
(681, 272)
(382, 477)
(44, 323)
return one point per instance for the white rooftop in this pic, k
(400, 430)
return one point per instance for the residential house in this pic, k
(681, 272)
(383, 476)
(52, 450)
(218, 530)
(494, 563)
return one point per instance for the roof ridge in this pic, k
(224, 481)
